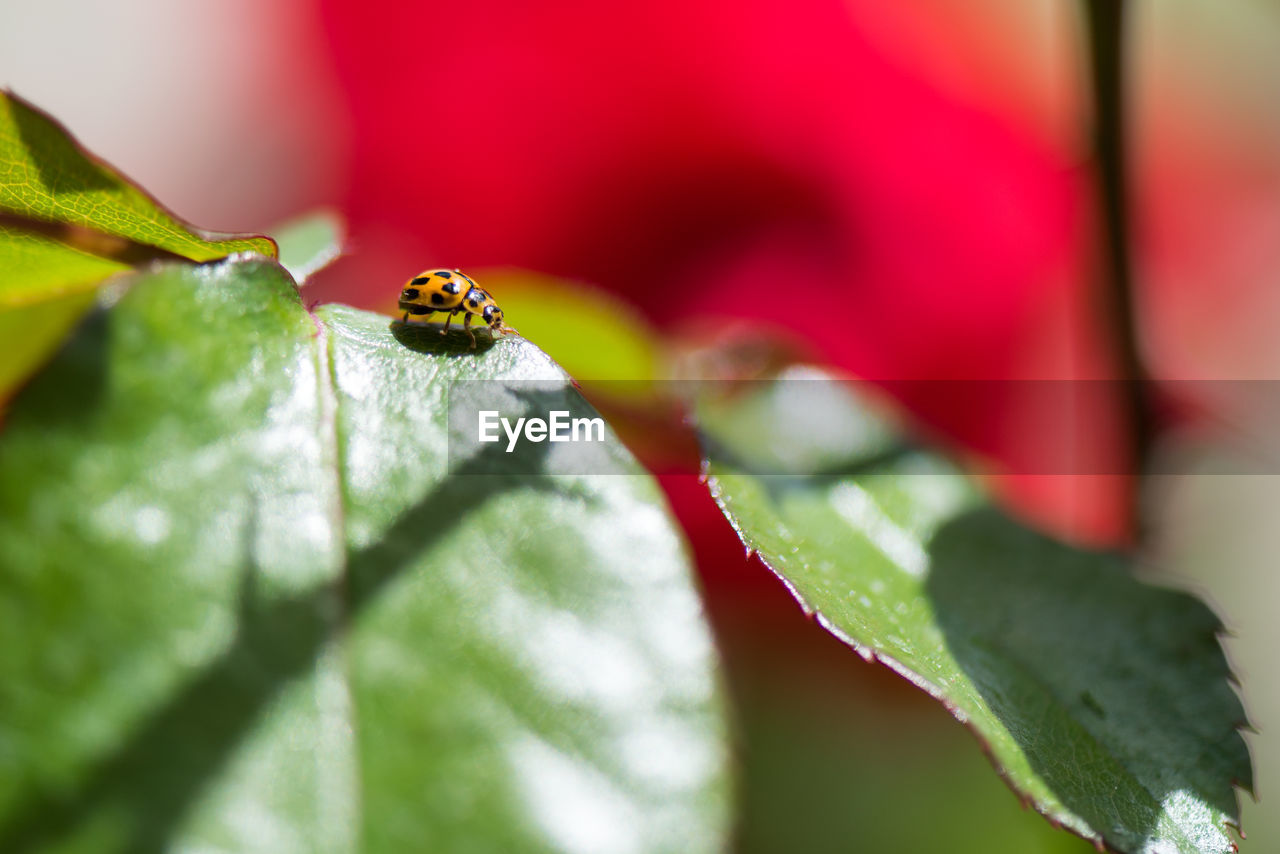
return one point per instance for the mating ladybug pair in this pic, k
(452, 292)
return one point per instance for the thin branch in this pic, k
(1106, 29)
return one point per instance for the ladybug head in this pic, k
(493, 316)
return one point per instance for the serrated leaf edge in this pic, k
(1059, 817)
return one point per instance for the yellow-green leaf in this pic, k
(68, 222)
(46, 176)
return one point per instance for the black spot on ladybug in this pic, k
(437, 299)
(410, 293)
(444, 274)
(418, 309)
(452, 287)
(420, 280)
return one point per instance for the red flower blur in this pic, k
(760, 162)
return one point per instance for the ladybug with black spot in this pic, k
(452, 292)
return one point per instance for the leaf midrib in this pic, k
(331, 455)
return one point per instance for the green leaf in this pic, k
(45, 286)
(1103, 701)
(38, 268)
(46, 176)
(245, 604)
(309, 243)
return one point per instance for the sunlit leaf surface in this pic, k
(246, 606)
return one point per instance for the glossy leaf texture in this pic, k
(1103, 701)
(246, 604)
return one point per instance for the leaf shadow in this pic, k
(151, 780)
(1078, 658)
(431, 339)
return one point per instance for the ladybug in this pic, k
(453, 292)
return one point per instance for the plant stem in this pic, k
(1106, 19)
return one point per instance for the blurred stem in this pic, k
(1106, 27)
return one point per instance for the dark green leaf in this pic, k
(1102, 700)
(244, 605)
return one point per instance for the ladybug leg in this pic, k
(466, 327)
(418, 318)
(448, 318)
